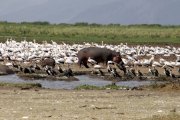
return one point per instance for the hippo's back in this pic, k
(96, 53)
(93, 51)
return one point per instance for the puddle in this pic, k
(83, 79)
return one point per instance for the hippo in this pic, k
(100, 55)
(48, 61)
(5, 70)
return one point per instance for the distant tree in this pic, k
(81, 24)
(95, 24)
(37, 23)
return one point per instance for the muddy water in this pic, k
(83, 79)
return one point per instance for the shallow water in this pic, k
(83, 80)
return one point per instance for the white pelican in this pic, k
(97, 66)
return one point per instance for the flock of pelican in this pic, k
(167, 57)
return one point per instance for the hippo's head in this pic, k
(117, 59)
(120, 64)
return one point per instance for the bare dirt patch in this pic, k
(86, 104)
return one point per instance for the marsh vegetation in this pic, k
(84, 32)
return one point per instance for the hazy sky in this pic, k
(92, 11)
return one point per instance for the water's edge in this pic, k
(83, 80)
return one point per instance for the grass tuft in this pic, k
(87, 87)
(91, 87)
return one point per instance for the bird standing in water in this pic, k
(172, 75)
(101, 72)
(151, 71)
(132, 70)
(109, 69)
(139, 73)
(166, 72)
(155, 71)
(37, 67)
(50, 71)
(60, 69)
(114, 73)
(68, 72)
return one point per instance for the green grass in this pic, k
(79, 33)
(91, 87)
(87, 87)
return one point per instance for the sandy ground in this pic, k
(16, 104)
